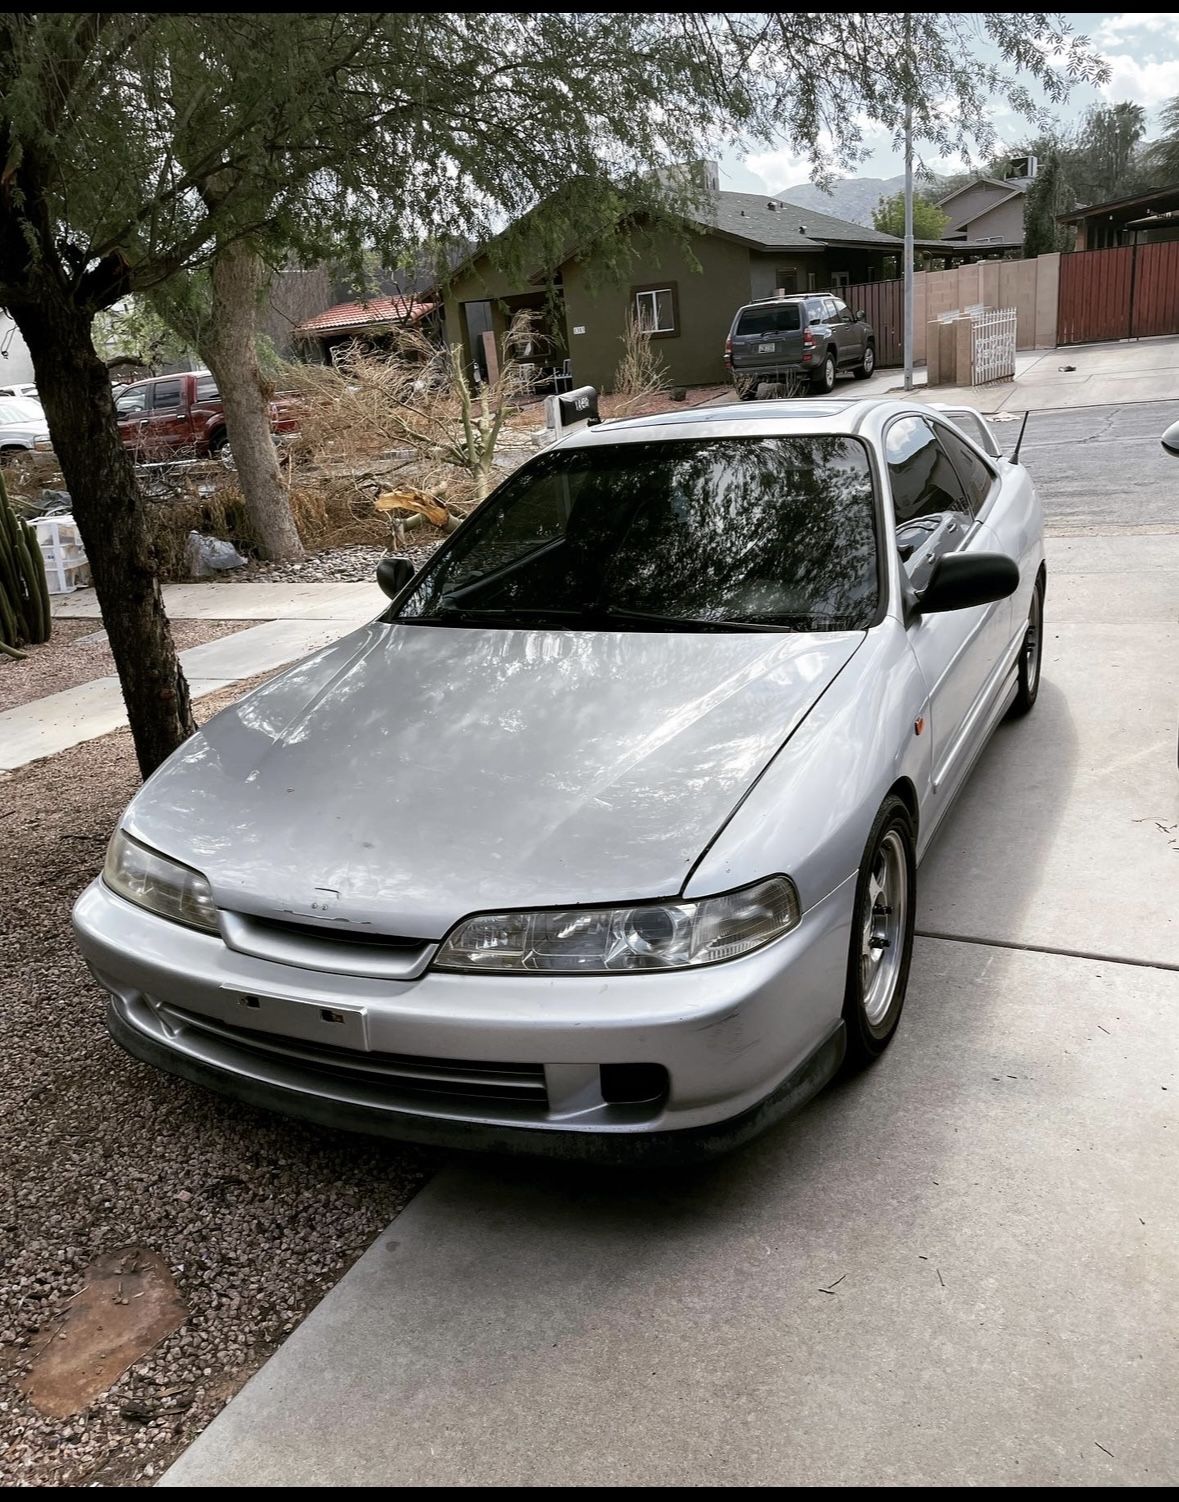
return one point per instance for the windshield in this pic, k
(717, 534)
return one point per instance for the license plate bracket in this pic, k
(766, 349)
(338, 1024)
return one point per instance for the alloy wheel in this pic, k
(883, 939)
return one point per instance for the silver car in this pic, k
(603, 838)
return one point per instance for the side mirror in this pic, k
(1171, 439)
(393, 574)
(861, 316)
(960, 580)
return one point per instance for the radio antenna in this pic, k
(1019, 441)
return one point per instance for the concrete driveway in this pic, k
(956, 1269)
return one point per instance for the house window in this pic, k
(810, 281)
(656, 309)
(839, 279)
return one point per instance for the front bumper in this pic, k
(513, 1062)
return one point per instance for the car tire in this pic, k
(883, 920)
(823, 381)
(1031, 654)
(747, 390)
(219, 448)
(867, 366)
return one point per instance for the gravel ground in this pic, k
(66, 659)
(256, 1216)
(354, 565)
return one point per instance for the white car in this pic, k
(28, 391)
(22, 427)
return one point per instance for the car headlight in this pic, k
(43, 445)
(153, 881)
(642, 936)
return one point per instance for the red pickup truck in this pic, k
(175, 415)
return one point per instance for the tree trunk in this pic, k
(229, 350)
(75, 388)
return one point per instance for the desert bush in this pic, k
(641, 374)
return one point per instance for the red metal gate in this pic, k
(1129, 292)
(884, 303)
(1155, 304)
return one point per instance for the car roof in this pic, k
(864, 417)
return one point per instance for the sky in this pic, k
(1142, 49)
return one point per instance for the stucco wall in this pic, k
(970, 201)
(708, 297)
(1005, 220)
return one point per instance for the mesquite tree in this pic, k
(137, 147)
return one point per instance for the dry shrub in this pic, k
(222, 514)
(641, 375)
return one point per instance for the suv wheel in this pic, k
(823, 379)
(868, 365)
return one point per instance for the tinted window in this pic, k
(830, 311)
(923, 479)
(133, 400)
(781, 318)
(166, 397)
(206, 389)
(776, 531)
(842, 311)
(972, 470)
(816, 311)
(975, 427)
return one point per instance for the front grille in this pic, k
(411, 1074)
(338, 933)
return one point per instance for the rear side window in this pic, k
(816, 311)
(924, 482)
(206, 390)
(780, 318)
(973, 471)
(166, 396)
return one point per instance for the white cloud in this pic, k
(1114, 30)
(779, 169)
(1148, 83)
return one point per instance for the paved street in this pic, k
(955, 1269)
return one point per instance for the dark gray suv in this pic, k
(812, 335)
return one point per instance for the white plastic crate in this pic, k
(65, 558)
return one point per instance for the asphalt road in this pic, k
(1101, 469)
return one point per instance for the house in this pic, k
(370, 322)
(683, 288)
(987, 212)
(1142, 219)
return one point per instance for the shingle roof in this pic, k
(376, 312)
(786, 226)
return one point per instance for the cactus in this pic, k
(24, 590)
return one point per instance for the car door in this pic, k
(957, 650)
(166, 429)
(850, 334)
(132, 411)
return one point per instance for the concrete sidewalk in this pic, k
(958, 1268)
(295, 619)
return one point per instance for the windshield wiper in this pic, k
(690, 623)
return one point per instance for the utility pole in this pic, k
(908, 76)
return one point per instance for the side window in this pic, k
(974, 472)
(132, 401)
(166, 397)
(206, 390)
(815, 310)
(842, 312)
(924, 483)
(830, 310)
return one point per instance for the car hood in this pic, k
(408, 775)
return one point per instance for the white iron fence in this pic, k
(992, 344)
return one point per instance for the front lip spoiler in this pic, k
(624, 1150)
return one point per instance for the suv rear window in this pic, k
(774, 318)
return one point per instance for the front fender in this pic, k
(810, 812)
